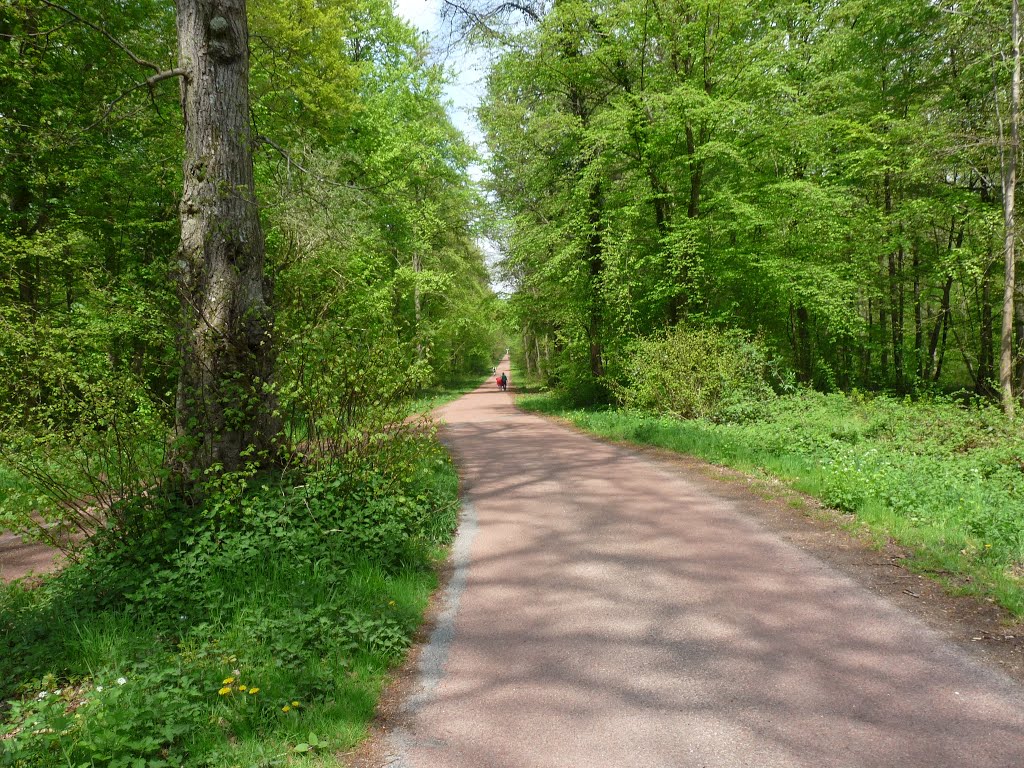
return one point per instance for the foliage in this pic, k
(273, 611)
(308, 580)
(696, 373)
(822, 175)
(371, 226)
(945, 480)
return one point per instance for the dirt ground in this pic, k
(20, 558)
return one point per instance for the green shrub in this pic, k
(696, 373)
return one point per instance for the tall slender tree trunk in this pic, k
(896, 297)
(595, 261)
(1008, 157)
(888, 266)
(937, 343)
(915, 265)
(26, 265)
(883, 328)
(805, 371)
(417, 303)
(865, 355)
(985, 356)
(223, 402)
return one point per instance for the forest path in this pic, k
(22, 557)
(608, 610)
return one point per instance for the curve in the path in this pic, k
(611, 612)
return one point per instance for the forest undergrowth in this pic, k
(943, 480)
(256, 628)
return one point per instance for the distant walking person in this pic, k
(504, 382)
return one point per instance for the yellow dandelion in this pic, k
(224, 691)
(286, 708)
(243, 688)
(228, 681)
(391, 602)
(296, 704)
(253, 691)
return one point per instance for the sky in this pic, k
(468, 88)
(465, 94)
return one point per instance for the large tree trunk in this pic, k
(1009, 169)
(223, 403)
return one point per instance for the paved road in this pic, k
(607, 611)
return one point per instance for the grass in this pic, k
(259, 630)
(944, 481)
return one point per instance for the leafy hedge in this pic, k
(696, 373)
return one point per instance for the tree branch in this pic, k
(261, 139)
(96, 27)
(469, 15)
(149, 83)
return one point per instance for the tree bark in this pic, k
(985, 356)
(935, 352)
(595, 261)
(1009, 168)
(896, 298)
(865, 351)
(805, 370)
(417, 303)
(915, 266)
(224, 405)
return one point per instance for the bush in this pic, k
(696, 373)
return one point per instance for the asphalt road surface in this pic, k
(606, 610)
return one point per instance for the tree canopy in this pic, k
(373, 285)
(826, 175)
